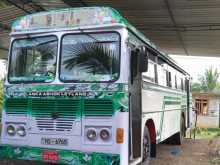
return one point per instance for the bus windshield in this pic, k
(91, 57)
(33, 59)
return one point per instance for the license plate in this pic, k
(50, 156)
(54, 141)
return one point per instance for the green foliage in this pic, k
(207, 82)
(207, 133)
(196, 87)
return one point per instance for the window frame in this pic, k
(89, 33)
(10, 59)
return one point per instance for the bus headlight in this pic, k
(21, 131)
(11, 130)
(105, 134)
(91, 134)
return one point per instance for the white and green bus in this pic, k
(86, 87)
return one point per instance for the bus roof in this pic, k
(78, 17)
(73, 17)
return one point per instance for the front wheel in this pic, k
(146, 149)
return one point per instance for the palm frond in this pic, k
(91, 57)
(209, 81)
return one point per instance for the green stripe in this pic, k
(172, 102)
(65, 156)
(171, 98)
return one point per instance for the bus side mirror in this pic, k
(143, 61)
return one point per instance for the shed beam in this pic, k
(4, 27)
(175, 25)
(18, 6)
(182, 28)
(36, 6)
(3, 48)
(71, 3)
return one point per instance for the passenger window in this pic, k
(169, 79)
(175, 82)
(161, 75)
(150, 74)
(182, 84)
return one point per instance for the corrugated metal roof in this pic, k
(177, 26)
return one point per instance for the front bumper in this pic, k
(64, 156)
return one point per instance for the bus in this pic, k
(84, 86)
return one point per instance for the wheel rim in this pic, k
(146, 146)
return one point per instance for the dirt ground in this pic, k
(192, 152)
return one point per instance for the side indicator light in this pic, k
(120, 135)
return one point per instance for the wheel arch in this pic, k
(152, 130)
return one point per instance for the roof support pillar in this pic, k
(71, 3)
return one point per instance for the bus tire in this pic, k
(146, 148)
(177, 138)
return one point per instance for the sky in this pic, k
(195, 65)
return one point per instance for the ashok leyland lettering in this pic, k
(85, 87)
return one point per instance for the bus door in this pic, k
(135, 87)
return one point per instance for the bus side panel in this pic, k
(152, 103)
(164, 106)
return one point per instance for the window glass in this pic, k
(173, 78)
(169, 78)
(151, 57)
(91, 57)
(161, 75)
(182, 84)
(178, 82)
(33, 59)
(175, 82)
(150, 74)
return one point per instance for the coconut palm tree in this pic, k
(209, 81)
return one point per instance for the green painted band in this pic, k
(65, 156)
(172, 102)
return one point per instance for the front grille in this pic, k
(16, 106)
(98, 107)
(55, 115)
